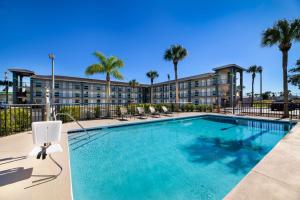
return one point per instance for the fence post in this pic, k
(260, 108)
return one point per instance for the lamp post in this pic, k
(52, 57)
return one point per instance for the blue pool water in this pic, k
(191, 158)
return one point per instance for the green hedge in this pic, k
(17, 120)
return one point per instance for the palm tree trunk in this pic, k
(151, 92)
(261, 85)
(176, 83)
(252, 92)
(108, 94)
(285, 84)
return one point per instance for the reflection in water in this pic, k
(240, 155)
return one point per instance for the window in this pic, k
(98, 88)
(196, 93)
(77, 95)
(38, 94)
(196, 83)
(56, 94)
(56, 101)
(77, 87)
(98, 95)
(38, 84)
(86, 101)
(86, 94)
(77, 101)
(86, 87)
(56, 85)
(98, 101)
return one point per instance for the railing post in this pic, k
(260, 108)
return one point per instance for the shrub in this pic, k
(17, 120)
(74, 111)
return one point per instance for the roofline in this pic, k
(205, 75)
(229, 65)
(85, 80)
(22, 71)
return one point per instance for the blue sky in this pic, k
(214, 32)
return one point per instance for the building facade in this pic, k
(224, 86)
(70, 90)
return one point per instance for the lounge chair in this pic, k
(141, 112)
(124, 113)
(166, 111)
(46, 136)
(153, 112)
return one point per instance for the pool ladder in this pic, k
(74, 120)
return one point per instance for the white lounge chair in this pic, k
(153, 112)
(46, 136)
(166, 111)
(141, 112)
(123, 112)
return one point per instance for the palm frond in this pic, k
(133, 83)
(116, 62)
(270, 37)
(175, 53)
(168, 55)
(298, 63)
(283, 26)
(117, 75)
(101, 57)
(152, 74)
(295, 29)
(95, 68)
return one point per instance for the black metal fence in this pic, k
(18, 118)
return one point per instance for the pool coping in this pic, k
(235, 193)
(177, 118)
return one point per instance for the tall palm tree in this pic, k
(152, 75)
(133, 84)
(253, 70)
(110, 67)
(283, 33)
(260, 70)
(175, 54)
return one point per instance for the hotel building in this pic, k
(218, 87)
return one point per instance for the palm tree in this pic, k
(110, 67)
(283, 33)
(152, 75)
(253, 70)
(260, 70)
(175, 54)
(133, 84)
(294, 79)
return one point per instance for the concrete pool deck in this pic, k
(276, 176)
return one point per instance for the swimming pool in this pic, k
(189, 158)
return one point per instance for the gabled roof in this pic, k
(229, 65)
